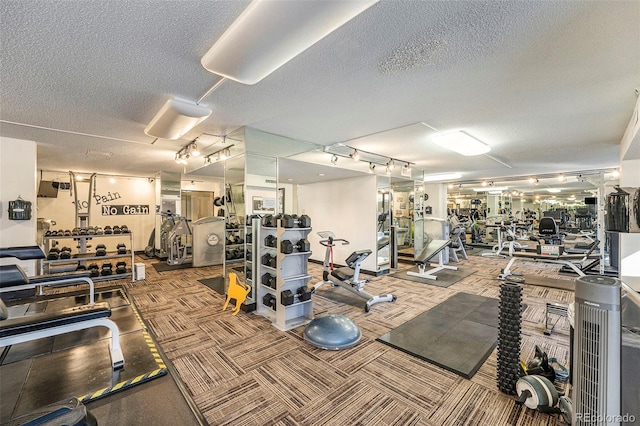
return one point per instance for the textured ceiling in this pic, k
(548, 85)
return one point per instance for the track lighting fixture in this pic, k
(355, 155)
(406, 170)
(372, 168)
(193, 148)
(484, 183)
(532, 180)
(390, 164)
(334, 160)
(388, 169)
(562, 178)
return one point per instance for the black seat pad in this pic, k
(14, 275)
(58, 277)
(344, 273)
(26, 324)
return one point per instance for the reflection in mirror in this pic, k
(384, 223)
(260, 199)
(402, 208)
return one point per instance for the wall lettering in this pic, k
(125, 210)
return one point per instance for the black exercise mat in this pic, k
(77, 364)
(446, 277)
(216, 284)
(341, 295)
(459, 334)
(164, 266)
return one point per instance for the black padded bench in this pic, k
(13, 277)
(31, 327)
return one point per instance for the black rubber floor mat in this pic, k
(459, 334)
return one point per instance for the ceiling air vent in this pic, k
(99, 154)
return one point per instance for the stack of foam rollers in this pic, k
(509, 327)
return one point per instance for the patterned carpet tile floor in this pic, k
(240, 370)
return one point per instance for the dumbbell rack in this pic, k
(83, 256)
(235, 232)
(290, 272)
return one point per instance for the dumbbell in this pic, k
(107, 269)
(304, 293)
(289, 221)
(227, 255)
(82, 231)
(286, 297)
(287, 246)
(65, 253)
(122, 248)
(67, 233)
(248, 273)
(81, 267)
(94, 270)
(239, 240)
(269, 300)
(91, 230)
(108, 230)
(117, 229)
(269, 280)
(248, 255)
(249, 237)
(54, 254)
(250, 219)
(101, 250)
(269, 260)
(237, 254)
(270, 241)
(124, 229)
(121, 267)
(99, 230)
(270, 221)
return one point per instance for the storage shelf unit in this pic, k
(290, 274)
(234, 252)
(83, 256)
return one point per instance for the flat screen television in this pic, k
(590, 200)
(48, 189)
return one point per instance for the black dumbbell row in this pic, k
(91, 230)
(232, 254)
(105, 269)
(287, 221)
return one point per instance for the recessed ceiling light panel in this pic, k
(269, 33)
(460, 142)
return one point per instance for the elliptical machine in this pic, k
(348, 277)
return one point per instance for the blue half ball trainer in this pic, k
(333, 332)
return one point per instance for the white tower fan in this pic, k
(596, 352)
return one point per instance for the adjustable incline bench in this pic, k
(434, 247)
(13, 278)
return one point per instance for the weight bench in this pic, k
(47, 324)
(551, 254)
(13, 277)
(435, 247)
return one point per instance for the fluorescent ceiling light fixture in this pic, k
(495, 192)
(460, 142)
(269, 33)
(495, 188)
(445, 176)
(553, 190)
(175, 118)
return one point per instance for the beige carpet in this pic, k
(243, 371)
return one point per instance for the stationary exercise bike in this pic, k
(347, 277)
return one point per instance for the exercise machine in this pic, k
(177, 242)
(347, 277)
(435, 247)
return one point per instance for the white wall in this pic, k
(18, 179)
(123, 191)
(347, 207)
(437, 200)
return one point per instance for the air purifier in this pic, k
(596, 354)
